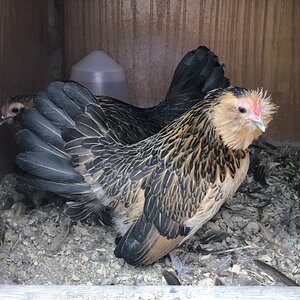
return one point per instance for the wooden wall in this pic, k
(23, 59)
(258, 40)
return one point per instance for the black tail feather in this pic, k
(198, 72)
(216, 80)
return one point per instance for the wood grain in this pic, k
(23, 46)
(23, 59)
(258, 40)
(84, 292)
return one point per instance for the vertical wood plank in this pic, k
(23, 46)
(55, 40)
(23, 60)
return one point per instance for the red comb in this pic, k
(256, 109)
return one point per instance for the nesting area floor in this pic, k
(260, 224)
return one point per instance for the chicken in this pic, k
(11, 111)
(161, 189)
(198, 72)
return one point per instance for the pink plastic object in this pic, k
(101, 75)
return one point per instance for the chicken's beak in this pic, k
(259, 123)
(3, 120)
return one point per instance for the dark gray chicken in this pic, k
(12, 110)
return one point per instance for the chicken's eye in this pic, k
(15, 110)
(242, 110)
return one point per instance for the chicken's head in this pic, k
(242, 115)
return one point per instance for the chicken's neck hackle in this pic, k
(214, 135)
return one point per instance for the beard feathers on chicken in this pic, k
(161, 189)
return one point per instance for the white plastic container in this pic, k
(101, 75)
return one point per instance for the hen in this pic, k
(13, 108)
(161, 189)
(198, 72)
